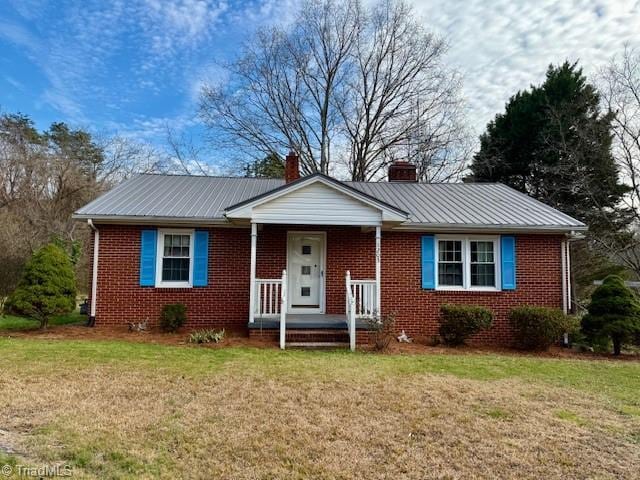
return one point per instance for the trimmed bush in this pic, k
(459, 322)
(537, 328)
(47, 287)
(614, 313)
(172, 317)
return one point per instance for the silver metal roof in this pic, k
(462, 205)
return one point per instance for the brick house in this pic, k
(313, 258)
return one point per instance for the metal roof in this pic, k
(461, 205)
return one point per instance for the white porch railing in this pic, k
(271, 301)
(351, 313)
(361, 303)
(364, 295)
(283, 309)
(268, 293)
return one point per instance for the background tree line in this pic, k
(44, 177)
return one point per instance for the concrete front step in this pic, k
(316, 336)
(317, 344)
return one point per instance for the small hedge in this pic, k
(206, 336)
(537, 328)
(459, 322)
(172, 317)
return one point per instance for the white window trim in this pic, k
(466, 262)
(160, 256)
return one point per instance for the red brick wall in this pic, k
(538, 282)
(224, 302)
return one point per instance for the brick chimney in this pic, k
(291, 167)
(401, 171)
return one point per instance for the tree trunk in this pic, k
(616, 346)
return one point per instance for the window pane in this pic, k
(177, 245)
(306, 270)
(482, 252)
(306, 249)
(305, 292)
(450, 266)
(175, 269)
(450, 274)
(450, 251)
(483, 275)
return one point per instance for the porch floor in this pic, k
(300, 321)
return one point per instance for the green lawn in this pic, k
(10, 322)
(128, 410)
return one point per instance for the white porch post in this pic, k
(378, 268)
(252, 285)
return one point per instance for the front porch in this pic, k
(272, 311)
(314, 290)
(308, 321)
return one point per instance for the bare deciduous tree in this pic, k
(620, 90)
(46, 176)
(344, 85)
(402, 101)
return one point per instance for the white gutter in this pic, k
(572, 230)
(94, 274)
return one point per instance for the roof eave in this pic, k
(486, 228)
(150, 220)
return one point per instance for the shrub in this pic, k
(172, 317)
(537, 328)
(206, 336)
(459, 322)
(382, 329)
(614, 313)
(47, 286)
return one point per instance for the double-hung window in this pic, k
(483, 263)
(450, 263)
(175, 258)
(467, 263)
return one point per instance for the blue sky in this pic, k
(133, 66)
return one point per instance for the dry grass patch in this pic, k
(239, 414)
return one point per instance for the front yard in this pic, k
(116, 409)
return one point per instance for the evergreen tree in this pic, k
(553, 143)
(47, 287)
(271, 166)
(614, 312)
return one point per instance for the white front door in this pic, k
(305, 271)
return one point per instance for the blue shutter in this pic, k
(428, 262)
(200, 258)
(148, 246)
(508, 257)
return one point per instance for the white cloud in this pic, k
(19, 35)
(504, 46)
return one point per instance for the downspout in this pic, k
(566, 280)
(563, 260)
(94, 274)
